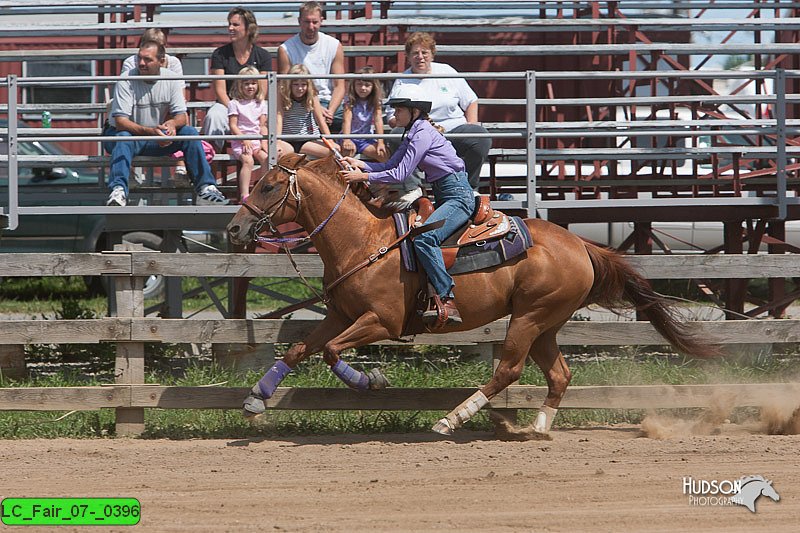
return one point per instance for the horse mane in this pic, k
(745, 480)
(328, 167)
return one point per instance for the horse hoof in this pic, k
(377, 380)
(443, 427)
(253, 405)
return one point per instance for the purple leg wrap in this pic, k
(352, 377)
(272, 378)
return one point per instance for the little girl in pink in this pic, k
(247, 114)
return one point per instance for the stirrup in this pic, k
(439, 314)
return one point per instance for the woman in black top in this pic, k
(242, 51)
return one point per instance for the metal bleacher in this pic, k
(599, 111)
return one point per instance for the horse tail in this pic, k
(617, 285)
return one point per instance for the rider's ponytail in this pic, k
(422, 116)
(435, 125)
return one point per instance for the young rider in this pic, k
(424, 145)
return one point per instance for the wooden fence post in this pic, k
(12, 361)
(129, 363)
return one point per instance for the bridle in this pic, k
(265, 216)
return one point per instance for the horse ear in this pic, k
(293, 160)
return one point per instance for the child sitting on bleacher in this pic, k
(300, 113)
(363, 114)
(247, 113)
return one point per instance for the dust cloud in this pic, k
(774, 417)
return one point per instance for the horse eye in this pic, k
(267, 187)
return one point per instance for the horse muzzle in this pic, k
(239, 233)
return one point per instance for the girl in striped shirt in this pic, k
(300, 113)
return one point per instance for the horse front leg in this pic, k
(365, 330)
(331, 325)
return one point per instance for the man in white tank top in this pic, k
(321, 54)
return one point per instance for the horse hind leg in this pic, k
(508, 371)
(547, 355)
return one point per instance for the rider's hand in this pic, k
(356, 163)
(352, 176)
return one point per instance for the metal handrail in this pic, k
(778, 127)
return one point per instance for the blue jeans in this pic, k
(454, 204)
(123, 152)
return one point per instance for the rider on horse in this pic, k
(424, 145)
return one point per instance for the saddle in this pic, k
(484, 224)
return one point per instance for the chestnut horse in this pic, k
(540, 289)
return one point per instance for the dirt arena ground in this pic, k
(603, 479)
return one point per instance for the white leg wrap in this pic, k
(544, 420)
(458, 416)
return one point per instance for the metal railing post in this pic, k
(530, 114)
(780, 140)
(13, 181)
(272, 117)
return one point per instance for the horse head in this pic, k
(752, 487)
(274, 200)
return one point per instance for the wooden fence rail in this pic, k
(256, 331)
(131, 330)
(140, 396)
(146, 263)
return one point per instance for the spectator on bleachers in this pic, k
(363, 113)
(229, 59)
(455, 104)
(145, 108)
(160, 36)
(171, 62)
(300, 113)
(247, 114)
(321, 54)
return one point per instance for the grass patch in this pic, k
(42, 296)
(403, 369)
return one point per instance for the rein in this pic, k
(325, 297)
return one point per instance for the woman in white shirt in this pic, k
(454, 103)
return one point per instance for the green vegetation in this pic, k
(43, 296)
(402, 369)
(56, 365)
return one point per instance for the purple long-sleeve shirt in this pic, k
(423, 147)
